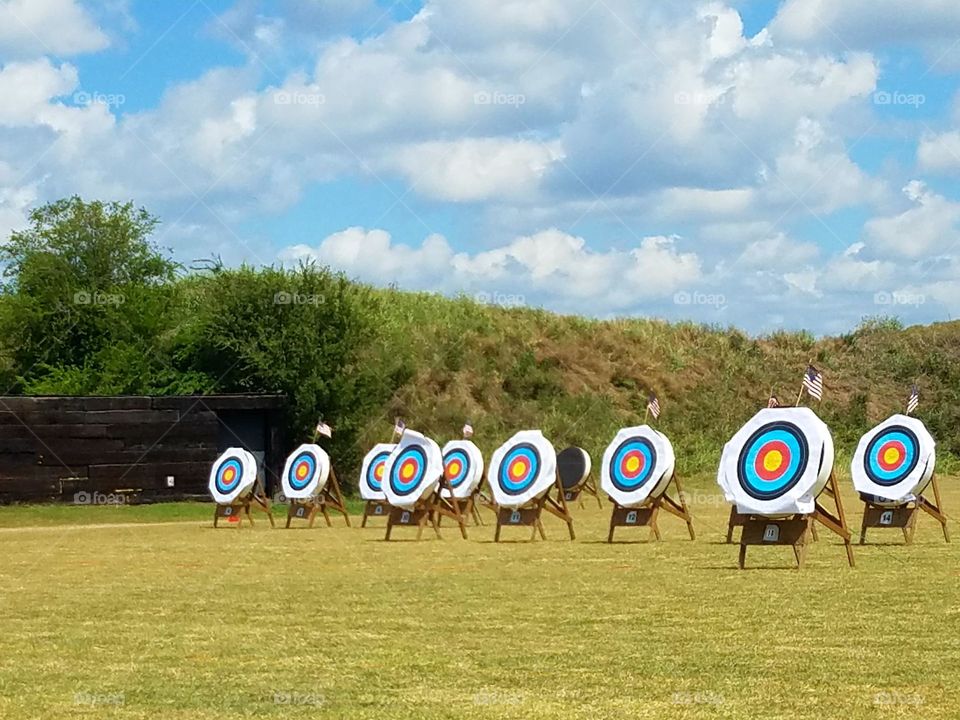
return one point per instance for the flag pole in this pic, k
(799, 395)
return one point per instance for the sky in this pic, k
(767, 165)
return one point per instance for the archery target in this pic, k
(573, 467)
(894, 462)
(522, 469)
(372, 472)
(305, 473)
(777, 463)
(413, 470)
(462, 468)
(637, 466)
(233, 476)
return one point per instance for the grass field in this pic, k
(151, 613)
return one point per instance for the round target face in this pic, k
(306, 472)
(232, 476)
(777, 463)
(462, 468)
(637, 465)
(891, 455)
(522, 469)
(772, 460)
(412, 470)
(895, 460)
(373, 472)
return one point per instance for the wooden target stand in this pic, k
(469, 507)
(257, 499)
(529, 515)
(571, 467)
(797, 530)
(427, 510)
(330, 497)
(646, 515)
(904, 516)
(374, 509)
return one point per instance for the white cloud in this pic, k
(36, 27)
(940, 152)
(929, 226)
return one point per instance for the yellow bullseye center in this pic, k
(453, 469)
(517, 469)
(406, 472)
(229, 474)
(891, 456)
(302, 472)
(773, 460)
(632, 464)
(378, 471)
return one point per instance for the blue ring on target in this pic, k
(457, 455)
(307, 459)
(226, 486)
(412, 458)
(903, 443)
(773, 460)
(632, 464)
(519, 469)
(380, 459)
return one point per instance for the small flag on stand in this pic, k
(324, 429)
(813, 382)
(467, 431)
(653, 405)
(773, 402)
(399, 427)
(914, 400)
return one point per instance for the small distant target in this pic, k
(305, 472)
(373, 471)
(894, 462)
(462, 467)
(637, 465)
(412, 470)
(522, 469)
(232, 476)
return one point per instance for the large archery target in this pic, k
(306, 472)
(894, 461)
(637, 466)
(777, 463)
(372, 473)
(232, 476)
(522, 469)
(462, 468)
(413, 470)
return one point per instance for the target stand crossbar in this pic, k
(468, 507)
(904, 516)
(329, 497)
(798, 530)
(589, 487)
(738, 519)
(529, 515)
(241, 508)
(427, 510)
(646, 515)
(375, 509)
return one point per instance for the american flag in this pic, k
(813, 382)
(399, 427)
(324, 429)
(653, 405)
(467, 431)
(773, 402)
(914, 400)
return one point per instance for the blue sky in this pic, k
(767, 165)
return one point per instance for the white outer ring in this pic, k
(319, 481)
(248, 477)
(663, 472)
(544, 481)
(913, 484)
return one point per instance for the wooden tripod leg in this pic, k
(496, 535)
(340, 504)
(326, 515)
(939, 514)
(813, 533)
(654, 528)
(613, 515)
(389, 526)
(366, 508)
(685, 509)
(863, 525)
(216, 515)
(742, 557)
(733, 515)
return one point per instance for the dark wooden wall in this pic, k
(55, 447)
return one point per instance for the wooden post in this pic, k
(529, 515)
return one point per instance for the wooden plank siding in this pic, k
(54, 447)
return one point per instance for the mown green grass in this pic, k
(177, 620)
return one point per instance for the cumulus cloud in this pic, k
(29, 28)
(928, 226)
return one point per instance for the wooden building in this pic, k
(66, 448)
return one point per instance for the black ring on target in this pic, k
(408, 470)
(773, 460)
(228, 475)
(632, 464)
(378, 462)
(302, 470)
(519, 469)
(891, 455)
(456, 467)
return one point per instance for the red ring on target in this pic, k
(896, 450)
(772, 460)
